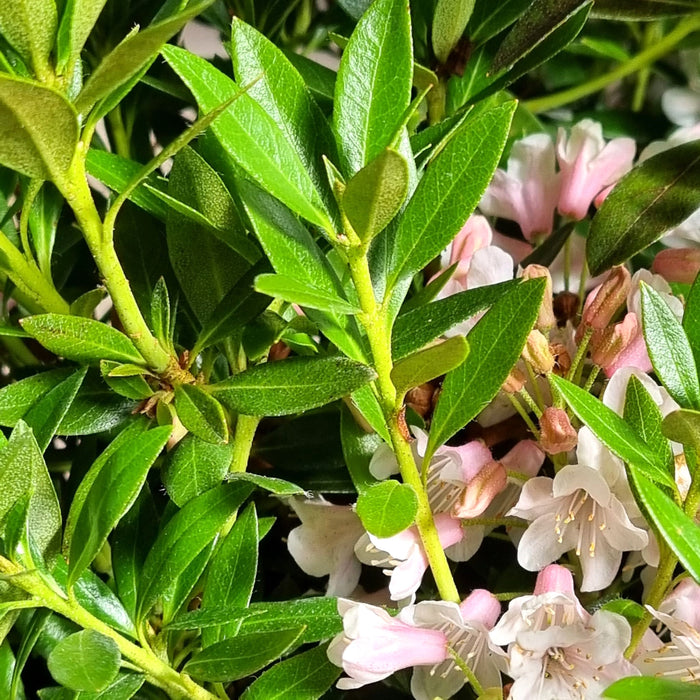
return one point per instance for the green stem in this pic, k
(466, 670)
(524, 415)
(373, 319)
(120, 139)
(543, 104)
(160, 674)
(77, 193)
(243, 441)
(652, 34)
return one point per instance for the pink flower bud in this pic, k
(555, 579)
(480, 606)
(604, 301)
(677, 264)
(556, 432)
(481, 490)
(537, 353)
(609, 343)
(546, 319)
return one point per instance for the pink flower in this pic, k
(527, 192)
(589, 166)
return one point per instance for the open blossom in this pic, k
(374, 645)
(557, 651)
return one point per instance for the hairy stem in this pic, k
(374, 321)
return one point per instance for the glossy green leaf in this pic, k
(22, 469)
(306, 676)
(30, 634)
(680, 532)
(669, 350)
(291, 386)
(112, 493)
(374, 194)
(132, 55)
(45, 416)
(81, 339)
(653, 198)
(43, 222)
(429, 363)
(373, 87)
(294, 291)
(193, 467)
(201, 413)
(131, 541)
(124, 687)
(231, 574)
(318, 78)
(250, 136)
(366, 402)
(39, 129)
(279, 487)
(534, 26)
(644, 416)
(629, 609)
(490, 18)
(640, 10)
(387, 508)
(683, 426)
(691, 320)
(449, 191)
(206, 267)
(319, 615)
(132, 386)
(495, 344)
(187, 534)
(449, 22)
(418, 327)
(78, 19)
(358, 448)
(87, 660)
(650, 688)
(30, 27)
(161, 313)
(241, 656)
(282, 93)
(619, 437)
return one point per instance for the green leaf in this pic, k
(124, 687)
(305, 676)
(538, 21)
(373, 87)
(132, 55)
(669, 350)
(632, 612)
(201, 413)
(81, 339)
(319, 79)
(449, 22)
(250, 137)
(648, 687)
(365, 400)
(241, 656)
(46, 415)
(387, 508)
(160, 314)
(679, 531)
(495, 344)
(30, 27)
(294, 291)
(291, 386)
(22, 469)
(189, 533)
(429, 363)
(358, 448)
(691, 320)
(619, 437)
(449, 191)
(644, 416)
(43, 221)
(231, 574)
(77, 21)
(206, 267)
(490, 18)
(133, 386)
(193, 467)
(418, 327)
(39, 129)
(374, 194)
(640, 10)
(683, 426)
(279, 487)
(112, 493)
(282, 93)
(653, 198)
(86, 660)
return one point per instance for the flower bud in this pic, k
(604, 301)
(481, 490)
(556, 432)
(677, 264)
(515, 381)
(546, 318)
(537, 353)
(607, 344)
(562, 358)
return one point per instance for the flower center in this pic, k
(583, 513)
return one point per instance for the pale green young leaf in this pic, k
(373, 87)
(683, 426)
(650, 687)
(81, 339)
(291, 386)
(669, 350)
(39, 129)
(387, 508)
(271, 484)
(291, 290)
(201, 413)
(132, 386)
(449, 22)
(77, 21)
(86, 660)
(43, 222)
(30, 28)
(495, 344)
(161, 314)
